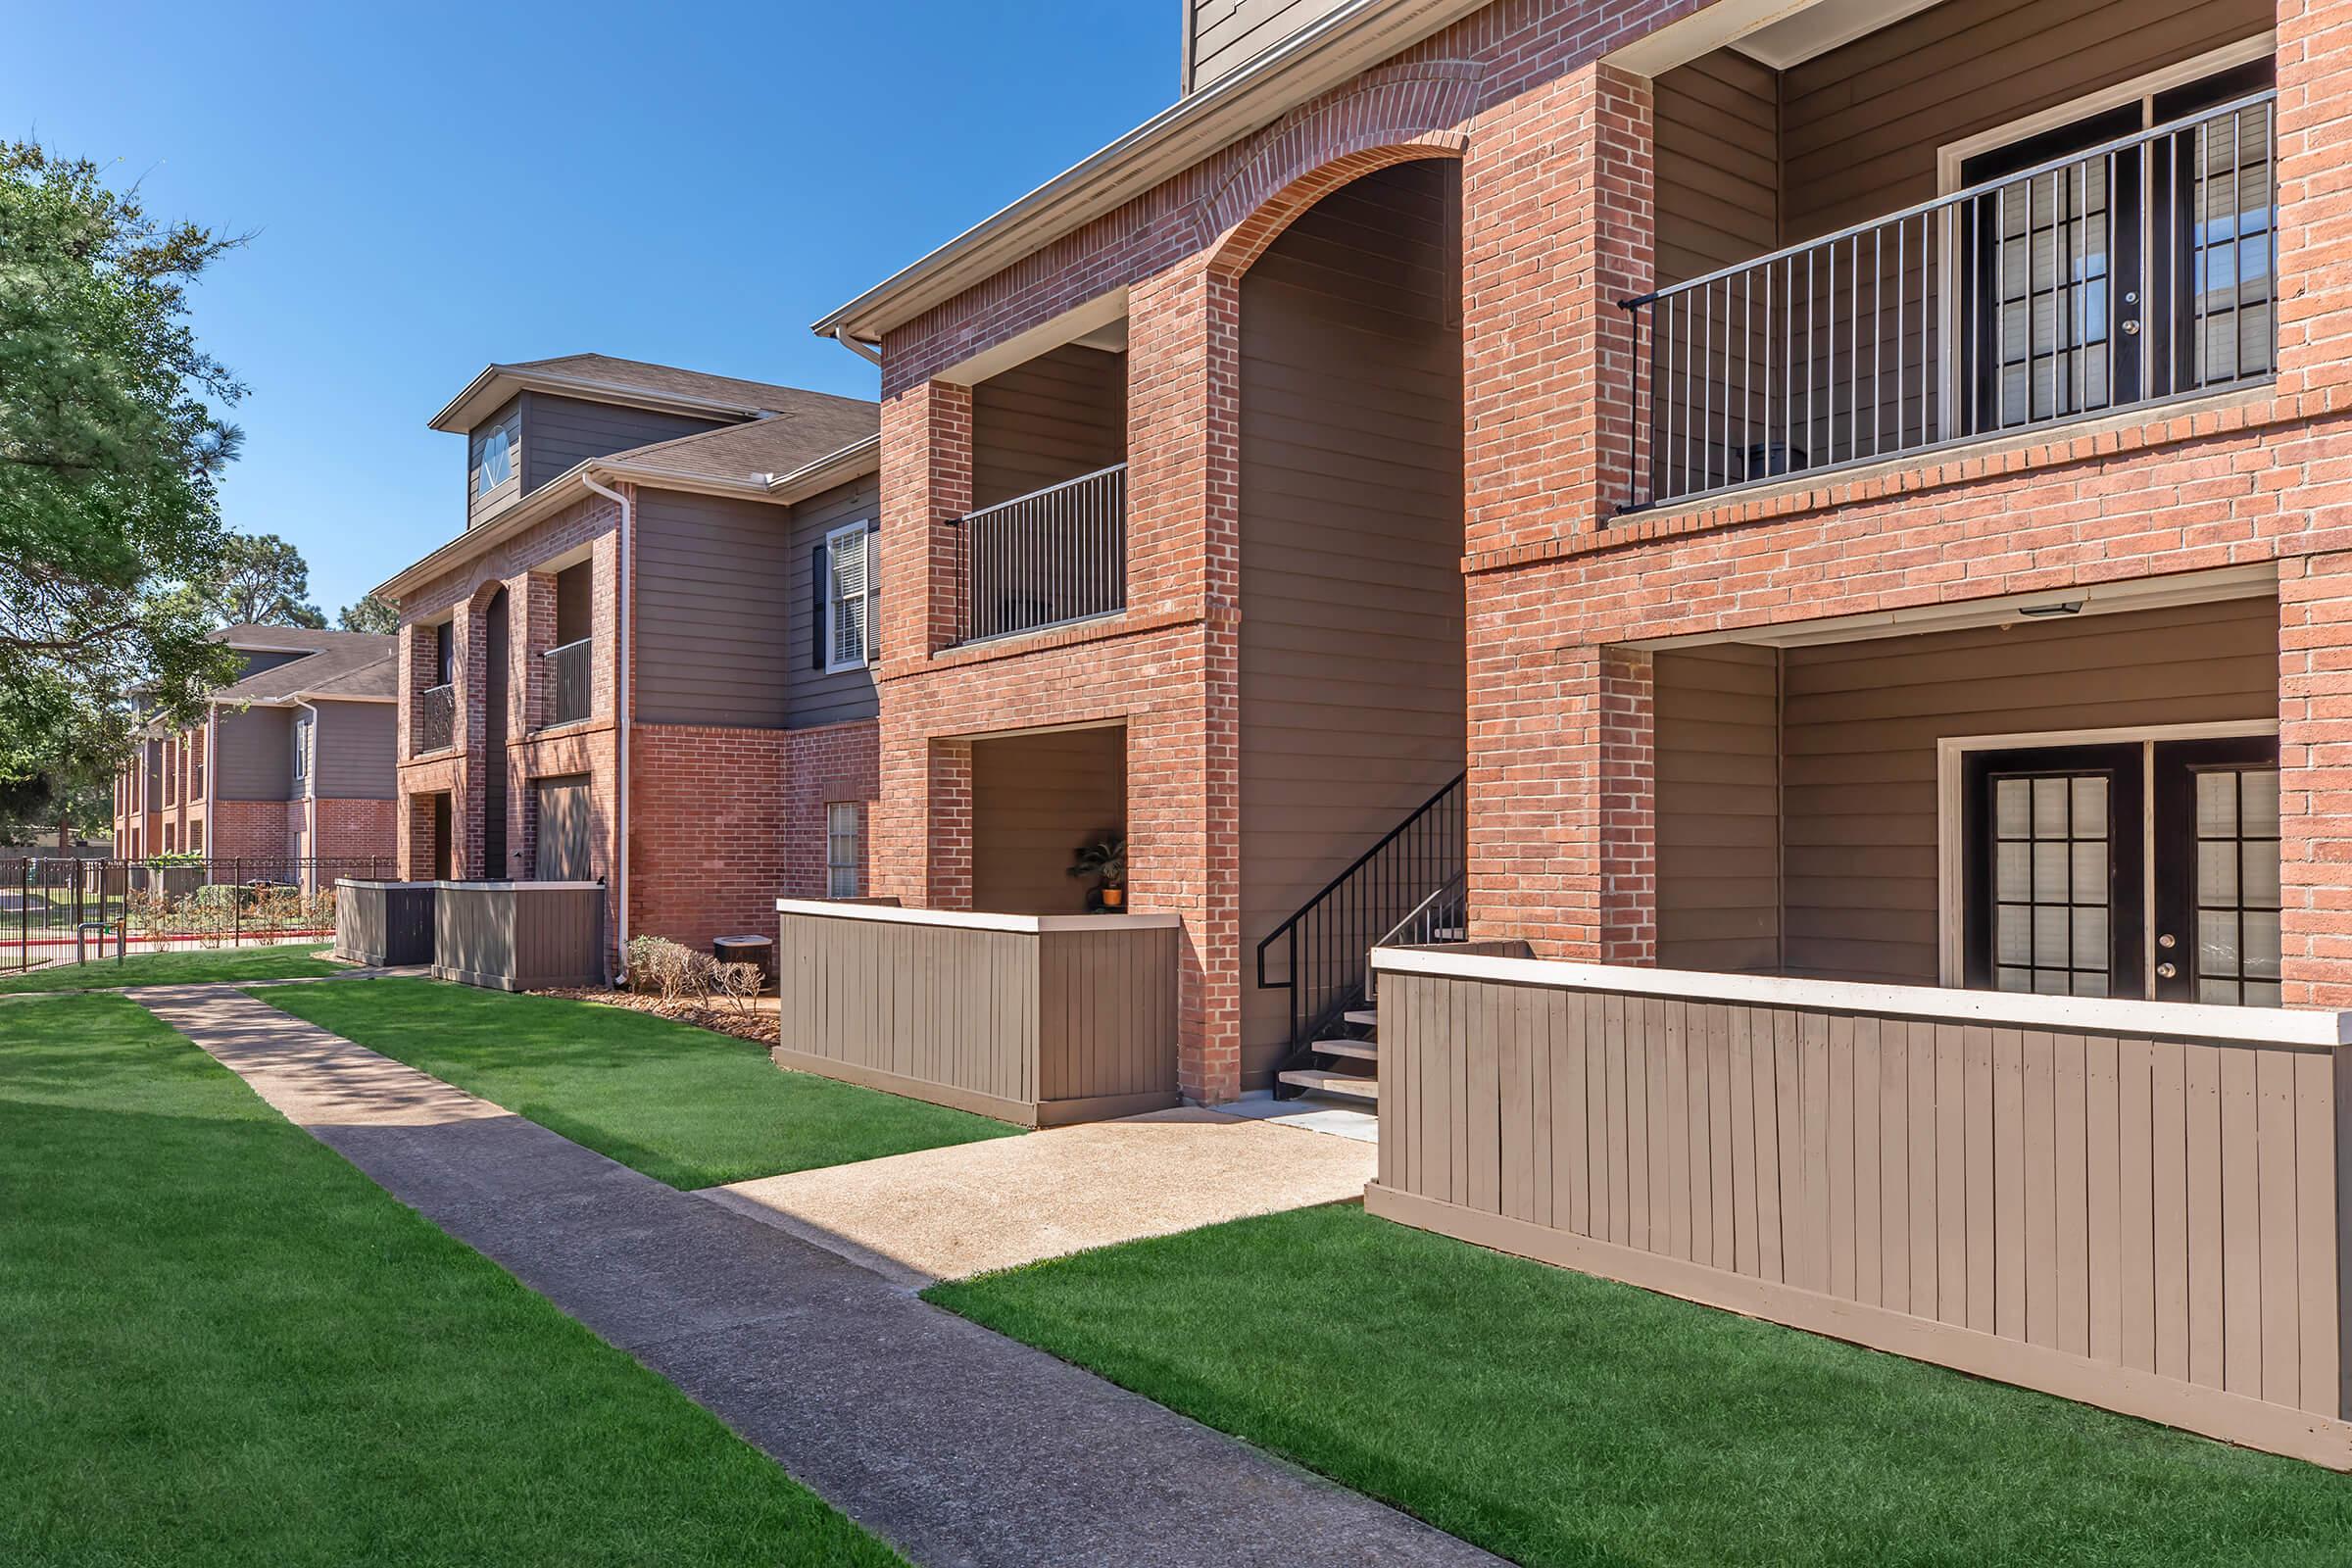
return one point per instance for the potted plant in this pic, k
(1106, 858)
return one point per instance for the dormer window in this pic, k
(493, 458)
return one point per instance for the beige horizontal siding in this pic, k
(1718, 809)
(1035, 801)
(1860, 722)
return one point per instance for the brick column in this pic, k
(2314, 268)
(1628, 809)
(2315, 752)
(926, 486)
(1557, 228)
(948, 840)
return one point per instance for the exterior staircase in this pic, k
(1409, 888)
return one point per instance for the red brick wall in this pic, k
(830, 764)
(1556, 179)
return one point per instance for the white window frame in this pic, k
(1951, 848)
(304, 731)
(854, 869)
(835, 663)
(503, 431)
(1951, 156)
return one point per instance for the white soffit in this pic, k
(2256, 582)
(1779, 33)
(1819, 29)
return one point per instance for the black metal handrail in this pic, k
(571, 676)
(2125, 275)
(1328, 943)
(1046, 558)
(1443, 911)
(435, 719)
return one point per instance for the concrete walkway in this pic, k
(957, 1445)
(946, 1213)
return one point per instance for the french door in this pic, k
(2133, 273)
(2144, 869)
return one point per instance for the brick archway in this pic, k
(1386, 117)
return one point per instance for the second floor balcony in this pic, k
(434, 719)
(571, 680)
(2111, 254)
(1046, 558)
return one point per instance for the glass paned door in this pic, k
(2144, 869)
(2053, 881)
(2215, 841)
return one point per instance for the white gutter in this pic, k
(621, 706)
(841, 335)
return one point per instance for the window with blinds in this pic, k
(848, 595)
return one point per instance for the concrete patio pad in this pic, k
(945, 1214)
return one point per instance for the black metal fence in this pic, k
(571, 680)
(52, 909)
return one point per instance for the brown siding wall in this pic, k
(1051, 418)
(480, 504)
(1750, 159)
(1861, 124)
(713, 611)
(1718, 810)
(1224, 36)
(2146, 1223)
(1717, 165)
(253, 755)
(1035, 800)
(558, 433)
(1861, 721)
(355, 750)
(811, 695)
(1351, 653)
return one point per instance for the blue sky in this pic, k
(433, 189)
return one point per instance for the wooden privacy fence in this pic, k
(384, 923)
(1037, 1019)
(2135, 1205)
(519, 936)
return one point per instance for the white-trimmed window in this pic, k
(849, 597)
(844, 850)
(492, 457)
(302, 749)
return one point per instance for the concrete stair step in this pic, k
(1360, 1050)
(1327, 1081)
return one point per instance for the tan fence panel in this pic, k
(2147, 1223)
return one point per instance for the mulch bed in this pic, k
(760, 1028)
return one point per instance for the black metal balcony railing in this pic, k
(569, 672)
(435, 719)
(2133, 273)
(1046, 558)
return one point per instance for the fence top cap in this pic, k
(2109, 1015)
(978, 921)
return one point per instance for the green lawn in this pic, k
(293, 960)
(225, 1346)
(1555, 1418)
(685, 1105)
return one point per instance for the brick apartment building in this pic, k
(650, 631)
(1852, 490)
(292, 764)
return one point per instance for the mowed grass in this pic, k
(225, 1346)
(1554, 1418)
(286, 961)
(684, 1106)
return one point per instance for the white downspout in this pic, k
(310, 799)
(620, 705)
(841, 335)
(211, 782)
